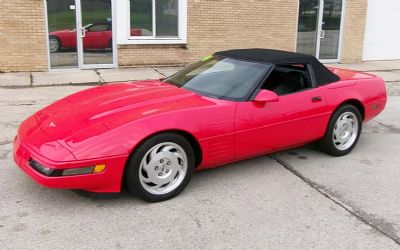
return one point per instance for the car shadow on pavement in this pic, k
(221, 179)
(215, 176)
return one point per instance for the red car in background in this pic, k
(96, 36)
(234, 105)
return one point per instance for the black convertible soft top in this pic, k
(279, 57)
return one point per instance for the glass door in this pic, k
(95, 40)
(319, 28)
(61, 20)
(80, 34)
(330, 30)
(307, 31)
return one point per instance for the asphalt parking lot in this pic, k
(298, 199)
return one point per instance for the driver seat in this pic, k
(293, 82)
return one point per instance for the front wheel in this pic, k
(343, 131)
(54, 44)
(160, 168)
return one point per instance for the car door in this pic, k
(97, 36)
(295, 119)
(68, 39)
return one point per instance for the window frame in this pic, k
(308, 68)
(124, 26)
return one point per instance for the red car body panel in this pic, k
(103, 125)
(67, 38)
(92, 39)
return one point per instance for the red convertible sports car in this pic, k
(96, 36)
(233, 105)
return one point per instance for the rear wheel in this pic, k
(160, 168)
(343, 131)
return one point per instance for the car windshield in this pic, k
(221, 78)
(85, 27)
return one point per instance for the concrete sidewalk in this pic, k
(78, 76)
(388, 70)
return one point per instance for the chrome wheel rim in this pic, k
(53, 44)
(163, 168)
(345, 131)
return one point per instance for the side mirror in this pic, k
(266, 96)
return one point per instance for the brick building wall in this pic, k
(354, 29)
(212, 25)
(223, 24)
(23, 36)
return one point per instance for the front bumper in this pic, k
(108, 181)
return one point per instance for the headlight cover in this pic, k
(66, 172)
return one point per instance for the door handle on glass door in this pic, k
(322, 34)
(83, 32)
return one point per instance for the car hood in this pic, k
(96, 110)
(61, 32)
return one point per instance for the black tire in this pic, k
(327, 143)
(57, 44)
(110, 44)
(133, 171)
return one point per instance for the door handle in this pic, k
(83, 32)
(322, 34)
(316, 99)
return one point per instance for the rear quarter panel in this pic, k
(367, 89)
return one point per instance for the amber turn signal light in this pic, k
(99, 168)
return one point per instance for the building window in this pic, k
(157, 22)
(155, 18)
